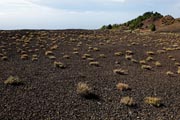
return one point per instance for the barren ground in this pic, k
(49, 93)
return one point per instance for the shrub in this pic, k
(4, 58)
(142, 62)
(48, 53)
(24, 56)
(122, 86)
(177, 64)
(86, 56)
(96, 49)
(83, 89)
(34, 59)
(59, 64)
(13, 80)
(152, 27)
(109, 26)
(161, 51)
(169, 73)
(104, 27)
(170, 56)
(120, 71)
(90, 59)
(150, 53)
(146, 67)
(102, 55)
(76, 52)
(129, 52)
(158, 64)
(34, 55)
(134, 60)
(118, 53)
(155, 101)
(95, 63)
(23, 52)
(52, 57)
(128, 101)
(149, 58)
(128, 57)
(75, 49)
(66, 56)
(178, 70)
(54, 47)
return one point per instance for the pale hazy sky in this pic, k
(86, 14)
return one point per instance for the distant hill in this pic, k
(149, 21)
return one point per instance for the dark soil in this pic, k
(49, 93)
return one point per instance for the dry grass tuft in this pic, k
(90, 59)
(86, 56)
(1, 55)
(34, 57)
(52, 57)
(66, 56)
(76, 52)
(147, 67)
(75, 49)
(128, 101)
(149, 58)
(13, 80)
(122, 86)
(177, 64)
(169, 73)
(95, 49)
(155, 101)
(54, 47)
(48, 53)
(59, 64)
(129, 52)
(178, 70)
(142, 62)
(120, 71)
(118, 53)
(95, 63)
(134, 61)
(150, 53)
(170, 56)
(158, 64)
(128, 57)
(173, 59)
(161, 51)
(83, 89)
(102, 55)
(24, 56)
(4, 58)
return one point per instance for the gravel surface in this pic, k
(49, 93)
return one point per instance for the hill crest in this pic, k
(149, 21)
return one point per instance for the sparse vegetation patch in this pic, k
(155, 101)
(13, 80)
(128, 101)
(122, 86)
(83, 89)
(120, 71)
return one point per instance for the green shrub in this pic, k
(109, 26)
(153, 27)
(137, 22)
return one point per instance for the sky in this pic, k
(78, 14)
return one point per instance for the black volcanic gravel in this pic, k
(49, 93)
